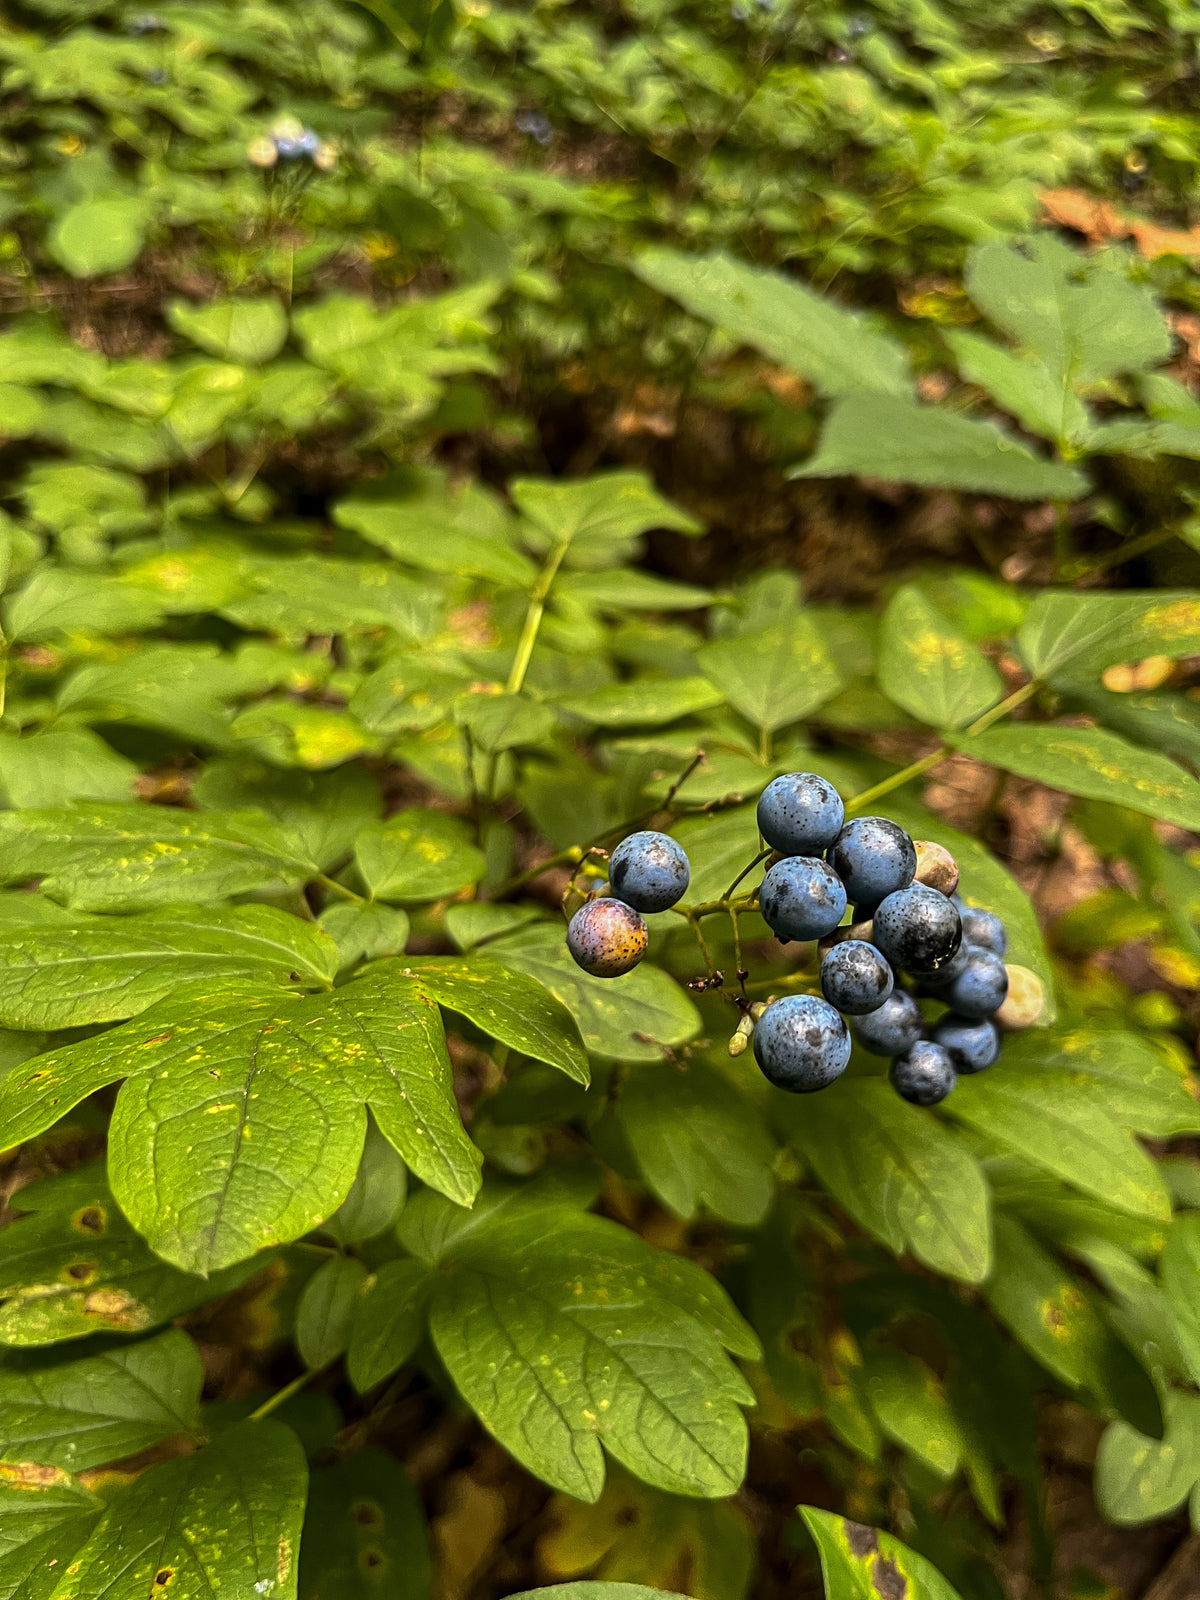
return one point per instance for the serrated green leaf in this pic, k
(837, 350)
(1023, 385)
(82, 1414)
(1088, 632)
(56, 601)
(364, 1533)
(648, 702)
(860, 1563)
(249, 332)
(596, 516)
(389, 1322)
(41, 1528)
(95, 236)
(125, 858)
(882, 436)
(326, 1309)
(1093, 763)
(698, 1142)
(298, 595)
(103, 969)
(921, 1191)
(224, 1522)
(418, 855)
(931, 669)
(629, 589)
(72, 1266)
(1139, 1479)
(628, 1019)
(775, 675)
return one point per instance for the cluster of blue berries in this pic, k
(907, 922)
(288, 139)
(647, 872)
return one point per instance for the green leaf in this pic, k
(298, 595)
(503, 721)
(596, 516)
(698, 1142)
(837, 350)
(1038, 1113)
(56, 601)
(1127, 1075)
(96, 236)
(515, 1009)
(1023, 385)
(248, 332)
(365, 932)
(389, 1322)
(377, 1196)
(643, 702)
(912, 1408)
(921, 1190)
(629, 589)
(102, 969)
(42, 1525)
(598, 1591)
(1139, 1479)
(860, 1563)
(478, 921)
(61, 765)
(931, 669)
(364, 1533)
(627, 1019)
(224, 1523)
(586, 1333)
(418, 855)
(719, 846)
(323, 811)
(1058, 1323)
(775, 675)
(82, 1414)
(467, 533)
(1179, 1270)
(1088, 632)
(292, 735)
(880, 436)
(326, 1310)
(72, 1266)
(1093, 763)
(124, 858)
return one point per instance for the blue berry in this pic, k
(925, 1075)
(985, 929)
(649, 871)
(802, 897)
(606, 938)
(973, 1043)
(918, 928)
(945, 975)
(873, 857)
(801, 1044)
(855, 977)
(981, 987)
(893, 1028)
(800, 814)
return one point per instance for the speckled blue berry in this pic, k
(893, 1028)
(802, 897)
(918, 929)
(800, 814)
(606, 938)
(945, 975)
(981, 987)
(801, 1044)
(985, 929)
(873, 857)
(973, 1043)
(855, 977)
(649, 871)
(925, 1075)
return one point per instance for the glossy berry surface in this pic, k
(800, 814)
(855, 977)
(606, 938)
(918, 928)
(649, 871)
(802, 898)
(981, 987)
(892, 1029)
(985, 929)
(925, 1075)
(973, 1042)
(801, 1044)
(873, 857)
(945, 975)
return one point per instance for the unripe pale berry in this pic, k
(1025, 1003)
(606, 938)
(936, 867)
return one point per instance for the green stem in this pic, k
(708, 960)
(1124, 553)
(277, 1399)
(533, 618)
(761, 856)
(339, 888)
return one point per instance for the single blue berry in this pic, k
(925, 1075)
(981, 987)
(945, 975)
(855, 977)
(918, 928)
(873, 858)
(985, 929)
(801, 1043)
(800, 814)
(606, 938)
(893, 1028)
(649, 871)
(973, 1043)
(802, 897)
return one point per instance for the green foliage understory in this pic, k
(344, 622)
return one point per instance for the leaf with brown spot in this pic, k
(859, 1563)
